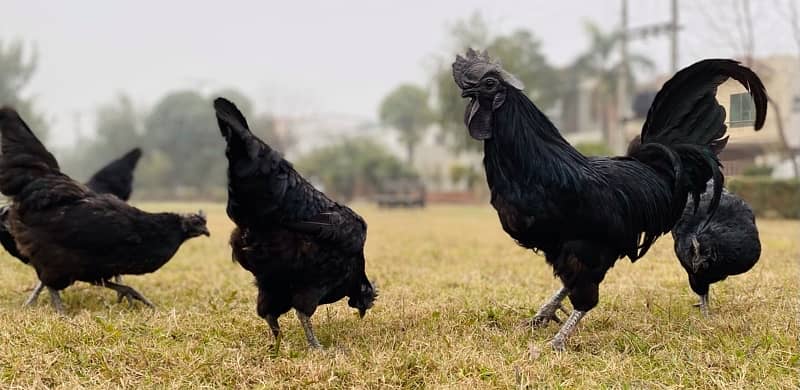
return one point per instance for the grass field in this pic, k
(453, 291)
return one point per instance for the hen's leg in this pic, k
(547, 312)
(703, 304)
(34, 294)
(306, 322)
(118, 280)
(55, 300)
(700, 287)
(126, 291)
(276, 330)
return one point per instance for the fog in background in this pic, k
(302, 56)
(109, 68)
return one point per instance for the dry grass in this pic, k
(454, 289)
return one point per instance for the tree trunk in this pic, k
(410, 153)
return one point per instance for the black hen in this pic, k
(303, 248)
(116, 178)
(70, 233)
(585, 213)
(712, 249)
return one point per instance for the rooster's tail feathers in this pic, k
(685, 127)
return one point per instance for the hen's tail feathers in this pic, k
(685, 127)
(23, 158)
(234, 128)
(116, 177)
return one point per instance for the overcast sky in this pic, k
(299, 57)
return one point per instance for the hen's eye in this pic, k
(490, 83)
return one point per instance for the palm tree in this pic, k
(601, 63)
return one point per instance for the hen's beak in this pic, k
(362, 313)
(206, 232)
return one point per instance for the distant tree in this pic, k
(351, 166)
(406, 109)
(601, 63)
(17, 67)
(266, 127)
(520, 53)
(182, 125)
(118, 129)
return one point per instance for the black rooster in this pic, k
(712, 249)
(585, 213)
(70, 233)
(303, 248)
(116, 178)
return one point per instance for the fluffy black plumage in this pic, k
(116, 178)
(728, 244)
(71, 233)
(303, 248)
(584, 213)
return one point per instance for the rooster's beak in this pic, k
(469, 92)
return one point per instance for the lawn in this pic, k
(453, 292)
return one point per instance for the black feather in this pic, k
(70, 233)
(303, 248)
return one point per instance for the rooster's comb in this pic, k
(468, 71)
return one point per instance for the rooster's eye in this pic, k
(490, 83)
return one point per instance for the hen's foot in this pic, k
(127, 292)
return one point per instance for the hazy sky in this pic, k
(298, 57)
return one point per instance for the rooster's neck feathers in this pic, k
(527, 148)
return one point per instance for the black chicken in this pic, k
(116, 178)
(585, 213)
(711, 249)
(303, 248)
(70, 233)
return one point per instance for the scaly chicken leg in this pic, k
(703, 304)
(126, 292)
(55, 300)
(306, 322)
(276, 330)
(34, 294)
(559, 341)
(547, 312)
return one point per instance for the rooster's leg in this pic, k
(306, 322)
(703, 305)
(547, 312)
(126, 291)
(34, 294)
(566, 330)
(276, 330)
(55, 300)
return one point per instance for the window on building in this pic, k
(743, 111)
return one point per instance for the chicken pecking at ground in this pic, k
(712, 247)
(585, 213)
(304, 249)
(70, 233)
(116, 178)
